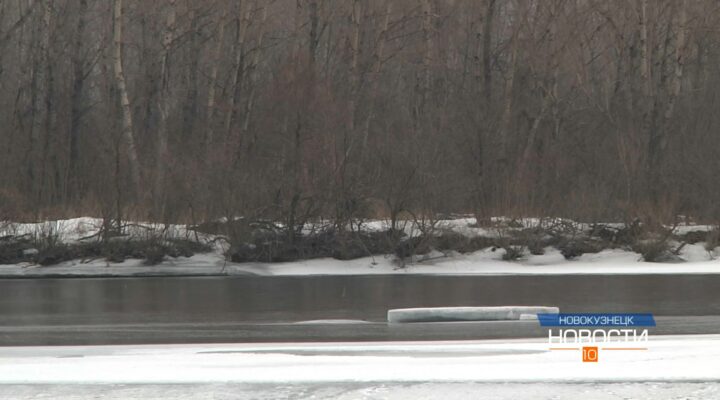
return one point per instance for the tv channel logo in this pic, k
(592, 333)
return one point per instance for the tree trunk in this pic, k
(679, 60)
(349, 132)
(243, 19)
(427, 18)
(191, 103)
(217, 54)
(487, 51)
(645, 78)
(658, 136)
(252, 78)
(376, 66)
(44, 193)
(501, 168)
(314, 26)
(165, 100)
(355, 17)
(127, 121)
(79, 75)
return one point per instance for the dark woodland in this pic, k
(301, 110)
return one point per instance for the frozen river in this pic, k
(672, 367)
(256, 309)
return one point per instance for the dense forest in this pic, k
(297, 110)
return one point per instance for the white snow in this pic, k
(486, 262)
(525, 317)
(667, 358)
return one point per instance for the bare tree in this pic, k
(326, 109)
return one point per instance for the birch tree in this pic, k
(127, 119)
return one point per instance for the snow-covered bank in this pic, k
(488, 261)
(667, 358)
(484, 262)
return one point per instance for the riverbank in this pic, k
(462, 251)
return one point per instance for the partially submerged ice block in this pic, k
(440, 314)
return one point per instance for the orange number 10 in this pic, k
(590, 354)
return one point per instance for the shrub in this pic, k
(654, 250)
(154, 253)
(50, 250)
(698, 236)
(15, 249)
(536, 248)
(576, 247)
(712, 239)
(413, 246)
(625, 236)
(513, 253)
